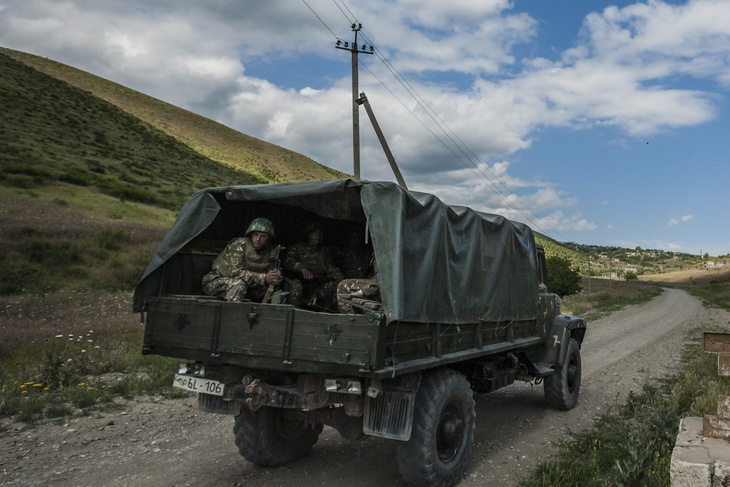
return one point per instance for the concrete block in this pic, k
(716, 427)
(691, 465)
(723, 364)
(723, 407)
(721, 474)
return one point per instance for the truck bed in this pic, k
(285, 338)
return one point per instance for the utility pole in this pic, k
(355, 50)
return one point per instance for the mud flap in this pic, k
(389, 407)
(215, 404)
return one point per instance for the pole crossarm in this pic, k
(355, 50)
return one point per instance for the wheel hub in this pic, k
(450, 433)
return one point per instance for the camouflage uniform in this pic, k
(239, 272)
(323, 287)
(369, 294)
(354, 261)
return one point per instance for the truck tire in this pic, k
(443, 431)
(562, 387)
(268, 438)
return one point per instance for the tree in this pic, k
(562, 278)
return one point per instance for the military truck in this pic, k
(465, 310)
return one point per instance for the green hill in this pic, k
(92, 174)
(88, 124)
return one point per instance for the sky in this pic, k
(596, 122)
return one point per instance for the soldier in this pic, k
(245, 269)
(364, 293)
(313, 262)
(354, 257)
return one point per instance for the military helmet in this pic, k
(263, 225)
(310, 227)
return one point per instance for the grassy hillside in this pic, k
(92, 174)
(219, 143)
(578, 261)
(55, 133)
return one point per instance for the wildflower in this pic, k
(81, 384)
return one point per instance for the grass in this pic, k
(69, 343)
(47, 244)
(632, 444)
(70, 353)
(98, 123)
(601, 297)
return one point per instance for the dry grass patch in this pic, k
(603, 296)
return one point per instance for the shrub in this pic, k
(16, 274)
(563, 279)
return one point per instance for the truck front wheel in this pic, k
(562, 387)
(443, 431)
(269, 438)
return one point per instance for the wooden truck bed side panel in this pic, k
(254, 335)
(414, 341)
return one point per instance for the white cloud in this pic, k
(682, 219)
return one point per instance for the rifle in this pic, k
(277, 265)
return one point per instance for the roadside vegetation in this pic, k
(69, 343)
(631, 445)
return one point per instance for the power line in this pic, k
(320, 19)
(456, 142)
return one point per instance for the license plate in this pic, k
(198, 384)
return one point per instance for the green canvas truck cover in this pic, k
(436, 263)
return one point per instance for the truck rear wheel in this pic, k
(268, 438)
(443, 431)
(562, 388)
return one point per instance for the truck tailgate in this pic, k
(256, 335)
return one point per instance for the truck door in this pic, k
(548, 303)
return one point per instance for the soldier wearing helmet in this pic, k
(316, 274)
(246, 267)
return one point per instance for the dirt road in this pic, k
(170, 443)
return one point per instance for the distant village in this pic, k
(620, 263)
